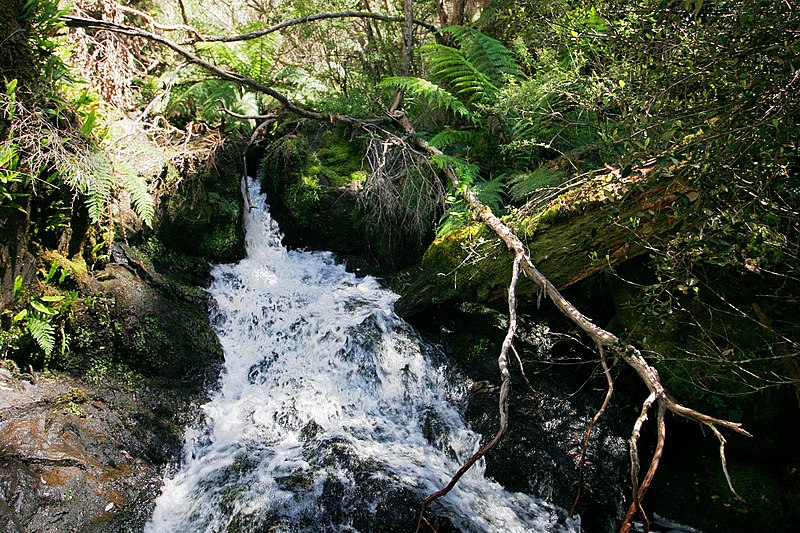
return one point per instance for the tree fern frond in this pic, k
(466, 171)
(491, 192)
(42, 331)
(141, 199)
(486, 54)
(524, 184)
(449, 137)
(431, 92)
(456, 71)
(97, 191)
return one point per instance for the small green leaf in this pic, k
(52, 272)
(21, 315)
(17, 285)
(49, 298)
(43, 308)
(86, 129)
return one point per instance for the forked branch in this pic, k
(602, 338)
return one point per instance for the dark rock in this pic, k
(547, 420)
(93, 464)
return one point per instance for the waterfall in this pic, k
(331, 414)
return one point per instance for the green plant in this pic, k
(43, 316)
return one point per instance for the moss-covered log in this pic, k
(605, 221)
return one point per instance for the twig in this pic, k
(505, 388)
(311, 18)
(595, 419)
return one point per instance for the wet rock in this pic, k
(548, 420)
(90, 462)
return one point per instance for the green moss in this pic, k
(72, 401)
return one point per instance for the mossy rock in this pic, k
(312, 178)
(203, 216)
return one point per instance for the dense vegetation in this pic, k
(545, 109)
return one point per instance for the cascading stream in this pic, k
(331, 413)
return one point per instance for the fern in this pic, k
(466, 171)
(469, 84)
(491, 192)
(487, 55)
(449, 137)
(98, 189)
(141, 199)
(432, 93)
(42, 331)
(522, 185)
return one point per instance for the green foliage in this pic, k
(201, 101)
(433, 94)
(42, 330)
(465, 81)
(522, 184)
(486, 55)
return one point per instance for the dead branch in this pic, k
(505, 389)
(156, 26)
(311, 18)
(592, 424)
(601, 337)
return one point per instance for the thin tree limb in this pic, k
(311, 18)
(595, 419)
(602, 338)
(505, 388)
(222, 73)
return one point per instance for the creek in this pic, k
(331, 413)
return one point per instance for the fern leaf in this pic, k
(456, 71)
(97, 190)
(432, 93)
(486, 54)
(491, 192)
(524, 184)
(449, 137)
(43, 332)
(141, 199)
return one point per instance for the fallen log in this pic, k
(602, 221)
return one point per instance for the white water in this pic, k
(329, 410)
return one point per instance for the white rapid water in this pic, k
(330, 415)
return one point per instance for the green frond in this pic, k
(466, 171)
(141, 199)
(489, 56)
(432, 93)
(42, 331)
(491, 192)
(97, 190)
(449, 137)
(456, 71)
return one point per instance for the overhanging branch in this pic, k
(603, 339)
(311, 18)
(240, 79)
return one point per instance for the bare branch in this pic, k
(505, 388)
(601, 337)
(592, 424)
(311, 18)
